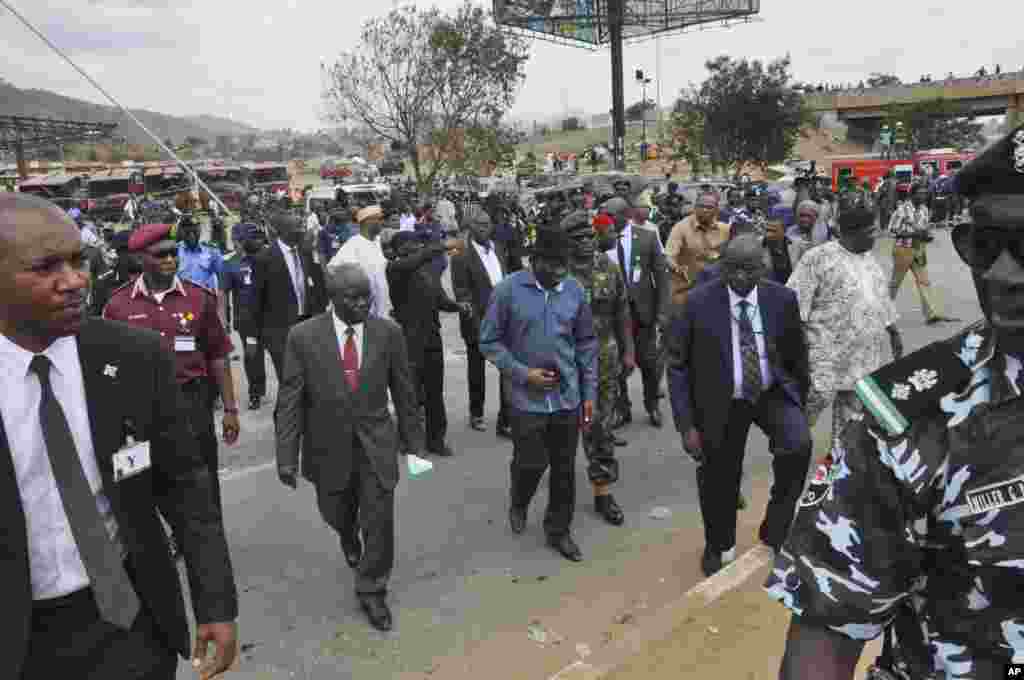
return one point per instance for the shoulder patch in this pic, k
(915, 385)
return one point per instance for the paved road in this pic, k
(461, 576)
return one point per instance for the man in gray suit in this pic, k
(333, 401)
(641, 257)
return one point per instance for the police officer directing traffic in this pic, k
(916, 529)
(185, 316)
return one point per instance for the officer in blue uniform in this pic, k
(914, 529)
(239, 285)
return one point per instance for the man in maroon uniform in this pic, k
(185, 316)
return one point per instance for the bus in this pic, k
(270, 177)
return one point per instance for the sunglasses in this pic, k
(163, 253)
(980, 247)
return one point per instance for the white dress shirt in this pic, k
(295, 273)
(737, 358)
(368, 255)
(54, 561)
(340, 329)
(489, 258)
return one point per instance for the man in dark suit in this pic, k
(475, 273)
(418, 298)
(641, 258)
(333, 405)
(736, 356)
(289, 287)
(92, 452)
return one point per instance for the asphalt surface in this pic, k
(455, 556)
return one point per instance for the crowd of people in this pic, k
(756, 314)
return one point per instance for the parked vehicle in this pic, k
(67, 191)
(109, 193)
(269, 177)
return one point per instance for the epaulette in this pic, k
(912, 387)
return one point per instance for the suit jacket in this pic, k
(700, 358)
(418, 298)
(177, 485)
(649, 296)
(472, 284)
(318, 414)
(275, 306)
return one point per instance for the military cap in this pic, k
(999, 169)
(148, 234)
(368, 213)
(603, 221)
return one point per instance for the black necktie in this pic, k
(111, 587)
(749, 357)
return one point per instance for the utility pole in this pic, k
(615, 20)
(644, 82)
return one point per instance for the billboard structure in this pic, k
(593, 23)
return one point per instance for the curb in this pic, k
(664, 621)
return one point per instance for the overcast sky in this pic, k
(258, 61)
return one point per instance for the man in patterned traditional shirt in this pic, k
(917, 527)
(910, 226)
(606, 293)
(847, 315)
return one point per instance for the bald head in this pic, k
(349, 288)
(25, 218)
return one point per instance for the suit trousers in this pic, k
(197, 401)
(476, 372)
(254, 359)
(718, 479)
(70, 641)
(364, 506)
(275, 339)
(428, 378)
(645, 340)
(543, 440)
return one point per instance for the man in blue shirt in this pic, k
(540, 334)
(200, 263)
(239, 284)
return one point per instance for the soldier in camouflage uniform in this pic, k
(606, 292)
(916, 528)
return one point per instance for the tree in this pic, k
(483, 148)
(422, 77)
(528, 166)
(934, 123)
(751, 115)
(682, 138)
(636, 111)
(883, 80)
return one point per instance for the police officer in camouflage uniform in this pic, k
(916, 528)
(602, 281)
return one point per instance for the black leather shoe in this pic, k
(353, 550)
(477, 423)
(655, 415)
(566, 547)
(609, 509)
(444, 451)
(377, 611)
(255, 403)
(711, 562)
(619, 441)
(504, 430)
(517, 519)
(622, 419)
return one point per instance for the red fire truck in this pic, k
(857, 169)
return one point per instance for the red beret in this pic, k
(603, 220)
(148, 234)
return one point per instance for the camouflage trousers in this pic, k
(599, 442)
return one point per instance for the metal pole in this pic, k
(643, 119)
(618, 96)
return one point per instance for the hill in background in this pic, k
(15, 101)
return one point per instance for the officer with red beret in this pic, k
(185, 315)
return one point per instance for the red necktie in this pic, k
(350, 360)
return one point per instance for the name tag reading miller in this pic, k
(995, 496)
